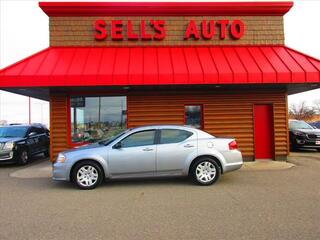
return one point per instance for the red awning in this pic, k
(94, 66)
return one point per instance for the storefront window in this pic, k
(193, 116)
(97, 118)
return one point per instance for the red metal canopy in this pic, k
(94, 66)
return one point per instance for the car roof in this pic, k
(23, 125)
(162, 126)
(172, 126)
(16, 125)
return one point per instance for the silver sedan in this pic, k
(150, 151)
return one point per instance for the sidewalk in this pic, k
(266, 165)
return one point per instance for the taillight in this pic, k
(233, 145)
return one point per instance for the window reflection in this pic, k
(193, 116)
(97, 118)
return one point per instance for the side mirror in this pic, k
(117, 145)
(32, 134)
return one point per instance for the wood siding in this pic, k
(224, 115)
(79, 31)
(58, 125)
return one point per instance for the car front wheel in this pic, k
(23, 157)
(205, 171)
(87, 175)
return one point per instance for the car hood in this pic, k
(84, 147)
(10, 139)
(309, 131)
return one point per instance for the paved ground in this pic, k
(247, 204)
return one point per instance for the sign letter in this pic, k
(223, 28)
(191, 31)
(101, 32)
(116, 30)
(204, 29)
(237, 29)
(159, 28)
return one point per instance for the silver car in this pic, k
(150, 151)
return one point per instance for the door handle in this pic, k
(147, 149)
(188, 146)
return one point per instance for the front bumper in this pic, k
(7, 156)
(60, 172)
(307, 143)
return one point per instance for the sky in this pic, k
(24, 30)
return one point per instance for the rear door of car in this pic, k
(43, 139)
(175, 147)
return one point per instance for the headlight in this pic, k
(61, 158)
(297, 133)
(8, 146)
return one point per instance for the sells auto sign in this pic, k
(205, 30)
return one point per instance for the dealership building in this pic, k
(220, 67)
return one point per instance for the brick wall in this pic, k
(79, 31)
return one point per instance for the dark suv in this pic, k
(302, 135)
(18, 143)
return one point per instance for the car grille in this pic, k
(313, 136)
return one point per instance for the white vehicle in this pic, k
(150, 151)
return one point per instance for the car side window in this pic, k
(173, 135)
(39, 130)
(143, 138)
(32, 129)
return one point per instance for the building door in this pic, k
(263, 132)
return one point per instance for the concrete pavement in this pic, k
(247, 204)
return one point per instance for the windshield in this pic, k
(113, 138)
(299, 125)
(6, 132)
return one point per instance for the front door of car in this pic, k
(134, 155)
(175, 148)
(33, 140)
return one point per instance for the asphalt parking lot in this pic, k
(246, 204)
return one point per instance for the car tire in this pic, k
(46, 153)
(205, 171)
(293, 148)
(23, 157)
(87, 175)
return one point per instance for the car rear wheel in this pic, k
(87, 175)
(205, 171)
(23, 157)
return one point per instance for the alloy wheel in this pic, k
(206, 172)
(24, 157)
(87, 176)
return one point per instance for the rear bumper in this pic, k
(233, 166)
(233, 160)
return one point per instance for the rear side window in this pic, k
(39, 130)
(173, 136)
